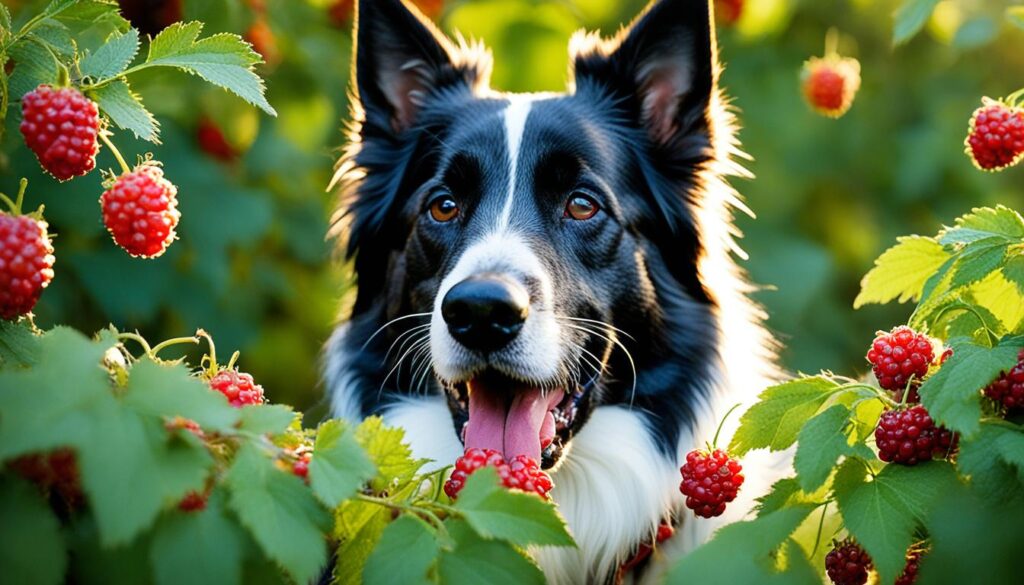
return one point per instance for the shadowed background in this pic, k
(253, 267)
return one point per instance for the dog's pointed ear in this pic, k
(664, 63)
(401, 58)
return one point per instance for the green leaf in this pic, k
(1015, 14)
(1013, 271)
(198, 547)
(167, 391)
(132, 468)
(407, 549)
(280, 512)
(388, 451)
(475, 560)
(112, 57)
(780, 412)
(5, 19)
(518, 517)
(358, 528)
(952, 395)
(223, 59)
(901, 271)
(884, 513)
(1000, 298)
(267, 419)
(85, 10)
(34, 66)
(338, 465)
(983, 223)
(821, 442)
(910, 17)
(975, 32)
(779, 496)
(742, 553)
(18, 345)
(125, 109)
(993, 460)
(978, 261)
(57, 36)
(33, 551)
(94, 564)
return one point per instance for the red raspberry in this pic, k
(906, 436)
(238, 387)
(26, 263)
(140, 211)
(710, 481)
(182, 423)
(909, 574)
(212, 141)
(522, 473)
(829, 84)
(946, 443)
(847, 564)
(898, 355)
(728, 11)
(61, 126)
(56, 471)
(1008, 388)
(193, 502)
(995, 139)
(300, 466)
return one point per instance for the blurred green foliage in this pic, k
(254, 268)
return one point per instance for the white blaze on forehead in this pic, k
(515, 114)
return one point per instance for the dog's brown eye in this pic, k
(580, 207)
(444, 209)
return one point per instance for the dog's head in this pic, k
(538, 253)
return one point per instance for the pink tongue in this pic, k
(516, 430)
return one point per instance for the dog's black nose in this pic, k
(485, 311)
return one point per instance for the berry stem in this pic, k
(137, 339)
(173, 341)
(821, 526)
(714, 441)
(15, 206)
(113, 149)
(832, 42)
(412, 509)
(1011, 100)
(211, 369)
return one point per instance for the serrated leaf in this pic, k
(33, 551)
(267, 419)
(901, 271)
(338, 465)
(280, 513)
(982, 223)
(167, 391)
(965, 319)
(952, 395)
(93, 12)
(358, 527)
(1000, 297)
(779, 496)
(407, 549)
(993, 461)
(125, 110)
(910, 17)
(198, 548)
(742, 553)
(978, 261)
(19, 347)
(518, 517)
(1015, 14)
(821, 442)
(223, 59)
(884, 513)
(34, 66)
(388, 451)
(780, 412)
(476, 560)
(57, 36)
(112, 57)
(1013, 271)
(5, 19)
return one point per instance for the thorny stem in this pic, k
(113, 149)
(137, 339)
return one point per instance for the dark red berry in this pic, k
(140, 210)
(909, 574)
(1008, 388)
(212, 141)
(847, 564)
(26, 263)
(300, 467)
(829, 84)
(522, 473)
(946, 443)
(905, 436)
(61, 126)
(239, 388)
(54, 472)
(995, 138)
(193, 502)
(710, 481)
(899, 355)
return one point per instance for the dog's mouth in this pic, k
(494, 411)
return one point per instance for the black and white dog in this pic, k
(551, 274)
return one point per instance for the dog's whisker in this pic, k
(425, 339)
(420, 371)
(410, 334)
(595, 322)
(388, 324)
(617, 343)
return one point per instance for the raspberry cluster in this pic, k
(1008, 388)
(847, 563)
(61, 126)
(521, 473)
(26, 263)
(910, 436)
(899, 355)
(995, 139)
(909, 574)
(710, 481)
(239, 387)
(54, 472)
(140, 210)
(830, 83)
